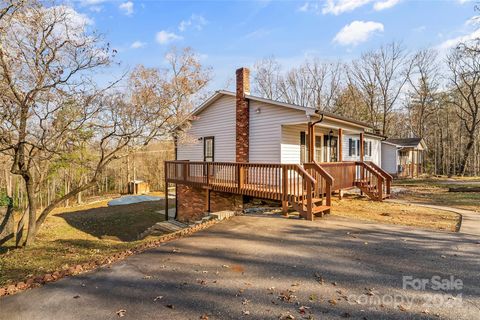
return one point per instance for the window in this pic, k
(351, 147)
(318, 148)
(367, 148)
(208, 149)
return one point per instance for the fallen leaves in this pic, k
(121, 313)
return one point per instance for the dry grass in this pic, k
(435, 191)
(362, 208)
(77, 235)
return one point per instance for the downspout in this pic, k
(311, 139)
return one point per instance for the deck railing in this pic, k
(293, 183)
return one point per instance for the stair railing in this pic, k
(324, 181)
(388, 177)
(370, 178)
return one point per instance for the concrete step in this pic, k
(221, 215)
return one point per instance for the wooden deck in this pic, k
(308, 187)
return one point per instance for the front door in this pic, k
(330, 144)
(208, 149)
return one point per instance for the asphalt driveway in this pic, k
(269, 267)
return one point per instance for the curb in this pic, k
(37, 281)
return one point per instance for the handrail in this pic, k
(384, 173)
(324, 173)
(371, 170)
(303, 171)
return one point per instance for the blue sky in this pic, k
(228, 34)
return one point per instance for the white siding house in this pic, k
(217, 120)
(275, 133)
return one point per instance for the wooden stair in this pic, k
(318, 207)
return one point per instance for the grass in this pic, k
(77, 235)
(362, 208)
(435, 191)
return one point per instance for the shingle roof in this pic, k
(405, 142)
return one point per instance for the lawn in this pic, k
(361, 208)
(435, 191)
(77, 235)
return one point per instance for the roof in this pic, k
(307, 110)
(405, 142)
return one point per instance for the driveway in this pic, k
(269, 267)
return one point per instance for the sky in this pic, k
(231, 34)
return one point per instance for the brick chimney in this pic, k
(242, 114)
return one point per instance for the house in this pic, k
(238, 144)
(404, 157)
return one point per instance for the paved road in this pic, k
(266, 267)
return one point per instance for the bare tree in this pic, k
(464, 67)
(54, 116)
(314, 84)
(424, 81)
(381, 75)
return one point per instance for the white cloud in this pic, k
(137, 45)
(164, 37)
(337, 7)
(126, 7)
(382, 5)
(357, 32)
(91, 2)
(450, 43)
(257, 34)
(196, 21)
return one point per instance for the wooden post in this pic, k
(340, 144)
(311, 141)
(284, 190)
(166, 189)
(380, 188)
(362, 153)
(241, 176)
(207, 199)
(309, 200)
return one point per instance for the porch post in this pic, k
(340, 144)
(362, 149)
(311, 141)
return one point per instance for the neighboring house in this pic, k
(404, 157)
(241, 144)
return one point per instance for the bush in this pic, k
(5, 200)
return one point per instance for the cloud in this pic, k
(86, 3)
(382, 5)
(137, 45)
(127, 8)
(357, 32)
(164, 37)
(195, 21)
(337, 7)
(450, 43)
(259, 33)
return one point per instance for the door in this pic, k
(330, 145)
(208, 149)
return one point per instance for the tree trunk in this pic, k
(32, 210)
(466, 154)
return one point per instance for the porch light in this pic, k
(200, 139)
(330, 133)
(258, 110)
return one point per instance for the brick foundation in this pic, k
(192, 202)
